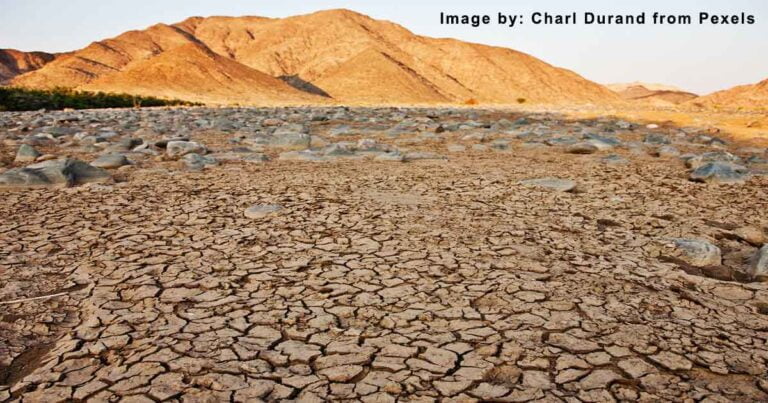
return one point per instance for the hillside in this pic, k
(351, 57)
(652, 94)
(750, 96)
(15, 62)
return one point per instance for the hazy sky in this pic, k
(701, 58)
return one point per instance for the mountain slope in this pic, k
(15, 62)
(750, 96)
(352, 57)
(196, 73)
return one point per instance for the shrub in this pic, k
(521, 100)
(22, 99)
(471, 101)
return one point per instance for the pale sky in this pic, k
(699, 58)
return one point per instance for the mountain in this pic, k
(653, 94)
(15, 62)
(336, 54)
(750, 96)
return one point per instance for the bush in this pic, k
(22, 99)
(471, 101)
(521, 100)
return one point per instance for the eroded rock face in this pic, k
(363, 278)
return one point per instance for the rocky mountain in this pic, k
(750, 96)
(336, 54)
(654, 94)
(15, 62)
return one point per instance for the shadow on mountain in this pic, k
(301, 85)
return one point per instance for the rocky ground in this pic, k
(378, 255)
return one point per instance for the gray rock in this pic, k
(261, 210)
(719, 172)
(54, 173)
(164, 143)
(556, 184)
(197, 162)
(696, 252)
(290, 139)
(111, 161)
(667, 151)
(26, 153)
(759, 265)
(656, 139)
(182, 148)
(581, 148)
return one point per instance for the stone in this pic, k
(290, 140)
(182, 148)
(261, 210)
(656, 139)
(197, 162)
(582, 148)
(556, 184)
(26, 153)
(54, 173)
(111, 161)
(752, 235)
(422, 155)
(667, 151)
(696, 252)
(720, 172)
(758, 267)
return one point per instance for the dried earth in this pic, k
(378, 255)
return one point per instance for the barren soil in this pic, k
(425, 279)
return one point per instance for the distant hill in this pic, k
(750, 96)
(328, 56)
(15, 62)
(652, 94)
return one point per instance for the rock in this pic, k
(456, 148)
(667, 151)
(182, 148)
(26, 153)
(422, 155)
(196, 162)
(261, 210)
(390, 156)
(719, 172)
(164, 143)
(290, 139)
(752, 235)
(110, 161)
(560, 185)
(54, 173)
(582, 148)
(656, 139)
(758, 267)
(696, 252)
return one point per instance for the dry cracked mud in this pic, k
(377, 280)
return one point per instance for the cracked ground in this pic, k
(377, 281)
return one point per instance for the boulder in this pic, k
(182, 148)
(695, 252)
(54, 173)
(758, 267)
(719, 172)
(111, 161)
(26, 153)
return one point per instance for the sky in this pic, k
(698, 58)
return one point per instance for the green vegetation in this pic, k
(22, 99)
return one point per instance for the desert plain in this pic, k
(378, 254)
